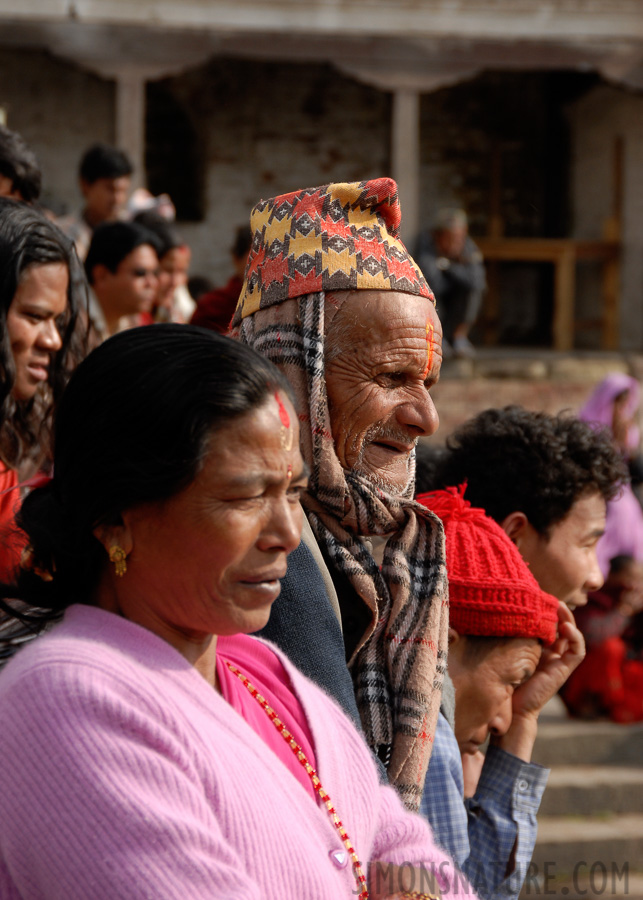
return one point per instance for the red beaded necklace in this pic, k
(317, 785)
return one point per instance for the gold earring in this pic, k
(118, 556)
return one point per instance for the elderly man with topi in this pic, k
(334, 299)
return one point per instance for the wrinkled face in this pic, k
(565, 564)
(105, 198)
(484, 690)
(35, 320)
(209, 559)
(132, 287)
(173, 272)
(384, 351)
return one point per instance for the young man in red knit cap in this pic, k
(511, 647)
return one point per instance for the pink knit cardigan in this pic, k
(123, 774)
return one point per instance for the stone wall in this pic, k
(59, 110)
(597, 120)
(505, 132)
(234, 130)
(267, 128)
(515, 117)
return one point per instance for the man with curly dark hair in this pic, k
(546, 480)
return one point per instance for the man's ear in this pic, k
(99, 274)
(454, 637)
(515, 526)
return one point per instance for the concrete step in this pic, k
(573, 742)
(567, 843)
(593, 791)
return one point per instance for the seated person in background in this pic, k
(20, 176)
(452, 265)
(157, 750)
(500, 620)
(216, 308)
(546, 481)
(609, 681)
(104, 176)
(122, 268)
(173, 302)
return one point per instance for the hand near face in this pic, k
(472, 764)
(556, 665)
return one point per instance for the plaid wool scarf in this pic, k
(399, 664)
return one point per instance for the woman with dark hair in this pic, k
(39, 344)
(151, 748)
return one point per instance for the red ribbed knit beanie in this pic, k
(491, 589)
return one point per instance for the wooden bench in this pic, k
(563, 253)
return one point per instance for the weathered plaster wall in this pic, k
(265, 129)
(59, 110)
(261, 129)
(597, 119)
(506, 115)
(502, 131)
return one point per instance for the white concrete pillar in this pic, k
(130, 120)
(405, 158)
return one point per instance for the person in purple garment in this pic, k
(613, 406)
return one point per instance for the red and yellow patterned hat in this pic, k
(338, 237)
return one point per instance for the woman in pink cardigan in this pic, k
(150, 749)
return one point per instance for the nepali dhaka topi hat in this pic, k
(491, 588)
(337, 237)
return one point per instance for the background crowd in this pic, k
(167, 490)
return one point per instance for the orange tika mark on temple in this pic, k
(429, 349)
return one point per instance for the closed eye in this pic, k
(392, 379)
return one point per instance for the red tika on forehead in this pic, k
(429, 348)
(283, 412)
(335, 237)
